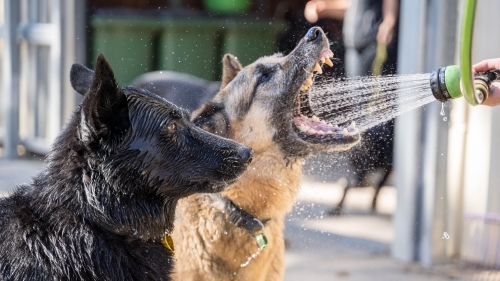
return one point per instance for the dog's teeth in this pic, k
(312, 131)
(322, 122)
(328, 62)
(322, 60)
(308, 82)
(303, 128)
(315, 118)
(304, 87)
(317, 68)
(345, 132)
(353, 125)
(321, 133)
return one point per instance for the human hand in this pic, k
(312, 9)
(385, 32)
(485, 65)
(318, 9)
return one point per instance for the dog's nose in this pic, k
(313, 34)
(245, 155)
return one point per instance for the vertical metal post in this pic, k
(32, 73)
(74, 50)
(442, 22)
(11, 72)
(55, 105)
(408, 134)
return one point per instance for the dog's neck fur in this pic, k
(278, 191)
(71, 170)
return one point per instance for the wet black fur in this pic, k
(109, 189)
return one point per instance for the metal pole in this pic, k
(55, 105)
(10, 76)
(408, 134)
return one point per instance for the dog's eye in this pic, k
(171, 126)
(265, 76)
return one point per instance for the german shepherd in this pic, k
(108, 193)
(238, 234)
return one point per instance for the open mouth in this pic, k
(310, 127)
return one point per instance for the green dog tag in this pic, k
(261, 241)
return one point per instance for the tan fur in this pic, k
(208, 245)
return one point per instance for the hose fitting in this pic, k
(445, 83)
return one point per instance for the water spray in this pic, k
(445, 84)
(371, 100)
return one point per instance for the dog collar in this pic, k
(168, 243)
(242, 219)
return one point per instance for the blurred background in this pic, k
(437, 215)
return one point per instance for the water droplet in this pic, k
(442, 109)
(253, 256)
(446, 235)
(445, 119)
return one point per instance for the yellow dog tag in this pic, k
(168, 243)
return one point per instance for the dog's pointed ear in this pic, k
(230, 68)
(81, 78)
(104, 108)
(212, 118)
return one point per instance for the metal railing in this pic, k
(41, 39)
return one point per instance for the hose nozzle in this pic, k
(445, 84)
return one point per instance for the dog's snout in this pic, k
(314, 34)
(245, 155)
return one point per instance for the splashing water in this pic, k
(369, 100)
(253, 256)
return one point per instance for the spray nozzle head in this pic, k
(445, 83)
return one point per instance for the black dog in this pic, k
(109, 190)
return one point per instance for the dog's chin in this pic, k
(214, 186)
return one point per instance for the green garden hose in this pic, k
(465, 55)
(445, 81)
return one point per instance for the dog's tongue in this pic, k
(327, 53)
(318, 126)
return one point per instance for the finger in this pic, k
(486, 65)
(494, 96)
(310, 12)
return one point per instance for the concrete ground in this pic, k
(13, 173)
(355, 246)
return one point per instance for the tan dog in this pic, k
(265, 106)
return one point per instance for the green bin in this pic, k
(127, 43)
(190, 46)
(250, 39)
(194, 45)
